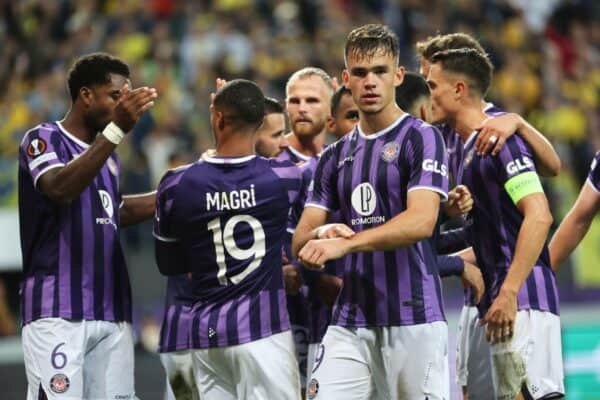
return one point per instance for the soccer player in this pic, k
(308, 99)
(473, 358)
(387, 178)
(508, 227)
(270, 137)
(344, 113)
(75, 293)
(223, 220)
(577, 222)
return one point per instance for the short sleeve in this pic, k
(427, 160)
(594, 174)
(516, 169)
(297, 206)
(166, 224)
(42, 151)
(322, 191)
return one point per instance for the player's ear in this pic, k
(220, 120)
(346, 78)
(399, 76)
(86, 95)
(330, 123)
(460, 89)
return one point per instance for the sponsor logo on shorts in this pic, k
(59, 383)
(313, 388)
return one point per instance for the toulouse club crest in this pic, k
(390, 151)
(59, 383)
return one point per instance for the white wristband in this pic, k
(322, 229)
(113, 133)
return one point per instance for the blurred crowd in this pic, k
(546, 54)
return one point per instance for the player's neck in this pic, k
(238, 145)
(375, 122)
(309, 145)
(74, 123)
(468, 119)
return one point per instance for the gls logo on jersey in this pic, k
(435, 167)
(520, 164)
(107, 205)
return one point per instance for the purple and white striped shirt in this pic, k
(230, 216)
(367, 179)
(494, 224)
(73, 264)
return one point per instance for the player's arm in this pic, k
(452, 240)
(308, 227)
(575, 225)
(65, 184)
(137, 208)
(526, 192)
(414, 224)
(495, 132)
(169, 257)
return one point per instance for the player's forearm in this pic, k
(467, 255)
(137, 208)
(568, 235)
(67, 183)
(405, 229)
(547, 160)
(530, 242)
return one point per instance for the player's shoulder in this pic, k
(43, 131)
(493, 110)
(419, 129)
(173, 175)
(282, 168)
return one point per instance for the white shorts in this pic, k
(398, 362)
(301, 346)
(180, 375)
(263, 369)
(473, 357)
(533, 358)
(78, 359)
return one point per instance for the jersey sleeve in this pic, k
(450, 266)
(594, 174)
(297, 206)
(42, 151)
(427, 160)
(322, 191)
(516, 169)
(167, 225)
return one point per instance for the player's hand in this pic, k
(317, 252)
(131, 105)
(331, 231)
(459, 201)
(471, 277)
(500, 318)
(292, 279)
(494, 132)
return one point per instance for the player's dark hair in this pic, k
(337, 98)
(413, 88)
(241, 100)
(428, 47)
(272, 106)
(367, 40)
(472, 64)
(94, 69)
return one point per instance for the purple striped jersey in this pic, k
(455, 148)
(73, 264)
(175, 328)
(367, 178)
(230, 217)
(594, 175)
(494, 224)
(293, 155)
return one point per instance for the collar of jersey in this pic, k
(470, 139)
(300, 155)
(71, 136)
(375, 135)
(228, 160)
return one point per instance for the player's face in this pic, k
(443, 99)
(104, 100)
(270, 138)
(372, 81)
(307, 105)
(346, 117)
